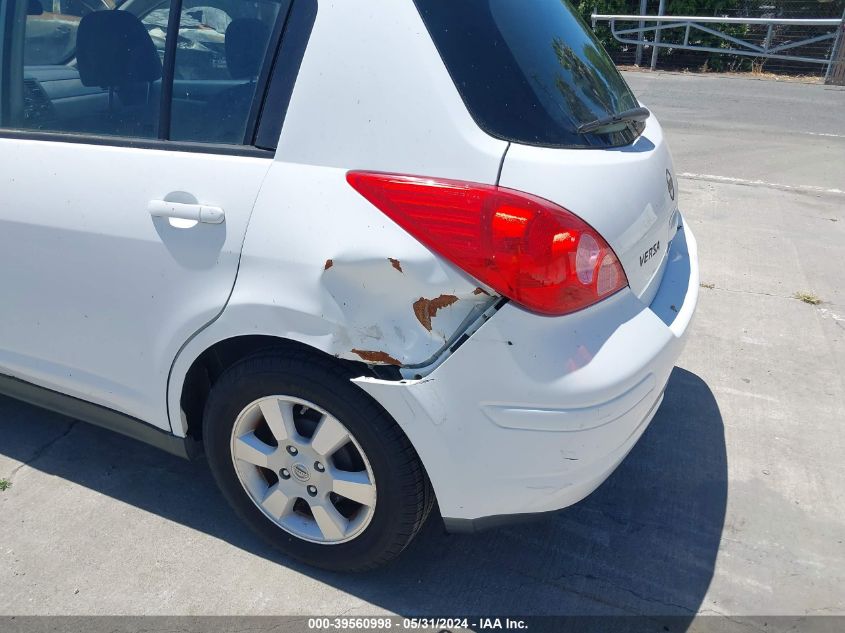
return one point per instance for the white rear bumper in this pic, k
(532, 413)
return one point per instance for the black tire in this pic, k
(405, 497)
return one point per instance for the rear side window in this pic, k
(219, 57)
(529, 71)
(181, 70)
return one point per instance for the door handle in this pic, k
(196, 212)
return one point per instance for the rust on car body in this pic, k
(426, 309)
(377, 357)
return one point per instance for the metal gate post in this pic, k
(639, 57)
(835, 74)
(655, 48)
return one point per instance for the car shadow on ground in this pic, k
(644, 543)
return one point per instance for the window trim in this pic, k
(263, 79)
(269, 77)
(136, 143)
(168, 69)
(279, 90)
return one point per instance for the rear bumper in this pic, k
(532, 413)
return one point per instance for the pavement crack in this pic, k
(43, 449)
(828, 610)
(638, 596)
(823, 311)
(527, 577)
(729, 180)
(735, 619)
(749, 292)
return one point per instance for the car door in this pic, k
(121, 220)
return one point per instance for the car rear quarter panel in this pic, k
(321, 265)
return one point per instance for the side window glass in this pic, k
(97, 67)
(51, 29)
(219, 56)
(89, 68)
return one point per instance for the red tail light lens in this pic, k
(528, 249)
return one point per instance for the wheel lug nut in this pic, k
(284, 474)
(319, 467)
(312, 490)
(292, 450)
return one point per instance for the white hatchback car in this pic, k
(363, 255)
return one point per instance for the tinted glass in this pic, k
(529, 71)
(87, 69)
(90, 68)
(219, 56)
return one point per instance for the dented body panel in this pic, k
(320, 265)
(381, 297)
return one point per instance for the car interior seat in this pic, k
(115, 52)
(246, 46)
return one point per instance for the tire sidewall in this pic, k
(356, 411)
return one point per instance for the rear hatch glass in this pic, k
(530, 71)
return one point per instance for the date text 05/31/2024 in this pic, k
(441, 625)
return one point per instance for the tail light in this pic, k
(526, 248)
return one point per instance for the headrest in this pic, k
(113, 49)
(246, 44)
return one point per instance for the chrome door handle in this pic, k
(196, 212)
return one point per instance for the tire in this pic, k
(317, 392)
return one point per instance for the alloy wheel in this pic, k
(303, 469)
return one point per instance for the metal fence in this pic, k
(778, 38)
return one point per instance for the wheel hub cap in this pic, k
(303, 469)
(300, 471)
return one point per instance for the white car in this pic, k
(402, 253)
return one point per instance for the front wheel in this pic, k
(312, 463)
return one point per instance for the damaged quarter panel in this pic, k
(320, 264)
(359, 287)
